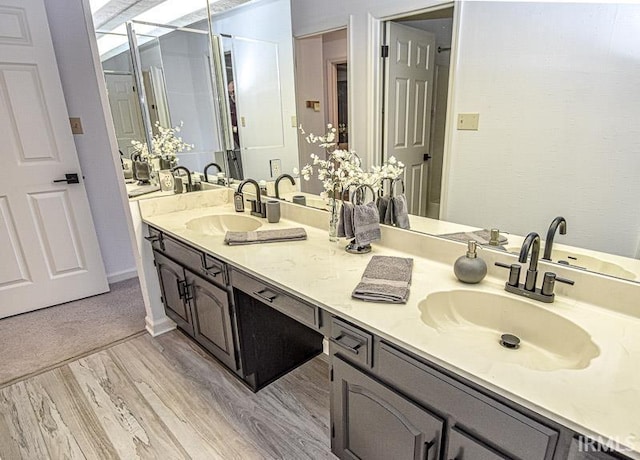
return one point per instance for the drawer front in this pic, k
(287, 304)
(215, 270)
(463, 447)
(155, 238)
(351, 342)
(183, 253)
(481, 416)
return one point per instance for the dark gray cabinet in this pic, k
(371, 421)
(212, 318)
(172, 282)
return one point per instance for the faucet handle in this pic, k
(514, 273)
(549, 282)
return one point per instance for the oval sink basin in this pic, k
(581, 261)
(222, 223)
(479, 319)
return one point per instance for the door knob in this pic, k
(69, 179)
(426, 157)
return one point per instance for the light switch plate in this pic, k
(468, 121)
(76, 126)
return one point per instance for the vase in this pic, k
(334, 217)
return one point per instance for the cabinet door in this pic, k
(172, 284)
(212, 323)
(371, 421)
(463, 447)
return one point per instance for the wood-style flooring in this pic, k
(163, 398)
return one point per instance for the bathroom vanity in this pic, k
(400, 388)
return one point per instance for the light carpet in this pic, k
(37, 341)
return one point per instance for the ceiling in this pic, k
(111, 15)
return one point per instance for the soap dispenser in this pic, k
(470, 268)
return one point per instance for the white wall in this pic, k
(102, 180)
(268, 20)
(556, 87)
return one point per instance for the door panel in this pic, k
(212, 318)
(51, 246)
(409, 75)
(373, 422)
(171, 276)
(125, 110)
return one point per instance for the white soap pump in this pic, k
(470, 268)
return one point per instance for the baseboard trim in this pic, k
(122, 275)
(156, 328)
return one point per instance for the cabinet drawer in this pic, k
(180, 252)
(351, 342)
(463, 447)
(481, 416)
(215, 270)
(287, 304)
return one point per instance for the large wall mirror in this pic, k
(552, 85)
(553, 135)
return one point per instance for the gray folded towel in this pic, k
(400, 213)
(386, 279)
(265, 236)
(345, 224)
(383, 205)
(366, 223)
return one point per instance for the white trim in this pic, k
(122, 275)
(450, 124)
(162, 326)
(374, 83)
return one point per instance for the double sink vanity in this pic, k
(428, 379)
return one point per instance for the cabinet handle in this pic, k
(188, 291)
(265, 294)
(180, 289)
(155, 239)
(208, 271)
(427, 448)
(355, 349)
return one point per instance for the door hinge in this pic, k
(331, 374)
(384, 51)
(154, 263)
(162, 300)
(333, 430)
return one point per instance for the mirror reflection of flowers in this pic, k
(166, 144)
(343, 168)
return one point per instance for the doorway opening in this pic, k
(415, 86)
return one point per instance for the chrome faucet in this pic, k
(183, 168)
(280, 177)
(206, 168)
(528, 289)
(256, 205)
(559, 222)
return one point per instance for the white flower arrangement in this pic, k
(343, 168)
(166, 144)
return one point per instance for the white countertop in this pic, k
(602, 400)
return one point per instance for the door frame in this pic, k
(375, 118)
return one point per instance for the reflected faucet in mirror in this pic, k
(189, 186)
(206, 169)
(280, 177)
(557, 223)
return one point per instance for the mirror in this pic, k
(554, 87)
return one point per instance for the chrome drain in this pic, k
(510, 341)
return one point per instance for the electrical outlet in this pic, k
(468, 121)
(76, 126)
(276, 167)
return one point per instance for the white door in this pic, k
(409, 91)
(125, 110)
(48, 246)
